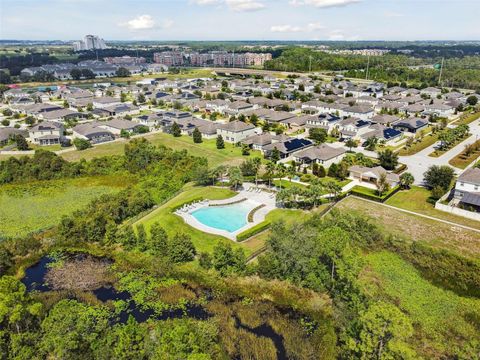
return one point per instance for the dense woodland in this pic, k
(461, 72)
(305, 298)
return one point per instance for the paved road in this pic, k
(420, 162)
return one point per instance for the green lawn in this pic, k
(230, 155)
(173, 224)
(461, 161)
(26, 208)
(436, 313)
(410, 227)
(427, 141)
(417, 199)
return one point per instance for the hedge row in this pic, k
(187, 203)
(230, 203)
(367, 194)
(247, 234)
(253, 211)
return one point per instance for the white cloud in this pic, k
(146, 22)
(323, 3)
(235, 5)
(286, 28)
(315, 26)
(292, 28)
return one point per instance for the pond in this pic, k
(267, 331)
(35, 280)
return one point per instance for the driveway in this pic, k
(420, 162)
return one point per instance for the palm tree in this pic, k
(406, 179)
(257, 163)
(235, 176)
(291, 172)
(270, 168)
(281, 170)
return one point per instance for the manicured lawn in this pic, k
(286, 184)
(417, 199)
(173, 224)
(435, 313)
(26, 208)
(231, 155)
(427, 141)
(410, 227)
(467, 118)
(461, 161)
(437, 153)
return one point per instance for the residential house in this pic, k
(287, 147)
(116, 126)
(372, 175)
(235, 131)
(6, 133)
(46, 133)
(411, 125)
(323, 154)
(92, 132)
(467, 189)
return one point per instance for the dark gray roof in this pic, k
(471, 176)
(471, 198)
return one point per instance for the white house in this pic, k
(46, 133)
(236, 131)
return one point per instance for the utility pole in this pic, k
(441, 72)
(310, 64)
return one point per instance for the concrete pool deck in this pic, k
(253, 198)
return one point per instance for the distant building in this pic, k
(89, 42)
(213, 58)
(125, 60)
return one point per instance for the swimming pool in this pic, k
(229, 217)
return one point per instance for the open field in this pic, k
(417, 199)
(173, 224)
(26, 208)
(415, 228)
(435, 313)
(230, 155)
(191, 73)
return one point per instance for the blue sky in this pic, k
(241, 19)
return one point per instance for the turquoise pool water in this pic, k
(229, 217)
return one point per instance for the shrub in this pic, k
(253, 231)
(81, 144)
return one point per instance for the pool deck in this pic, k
(253, 197)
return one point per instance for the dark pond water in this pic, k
(34, 280)
(267, 331)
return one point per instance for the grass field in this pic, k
(26, 208)
(467, 118)
(415, 228)
(417, 199)
(231, 155)
(173, 224)
(427, 141)
(461, 161)
(189, 74)
(436, 313)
